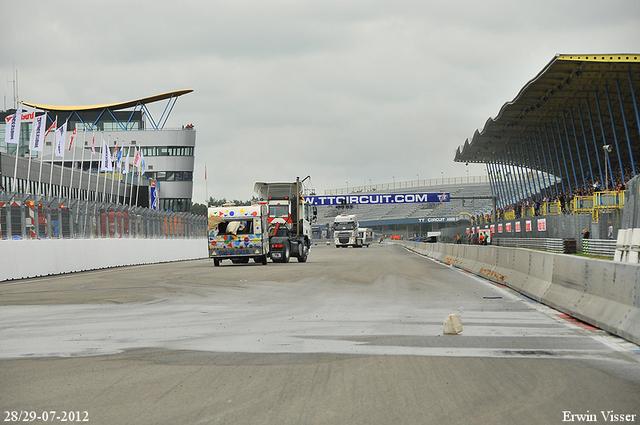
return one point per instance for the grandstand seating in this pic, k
(365, 212)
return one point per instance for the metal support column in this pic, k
(604, 142)
(564, 158)
(575, 139)
(615, 134)
(626, 129)
(555, 147)
(586, 144)
(593, 135)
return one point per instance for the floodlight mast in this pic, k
(607, 149)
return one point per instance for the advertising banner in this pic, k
(385, 198)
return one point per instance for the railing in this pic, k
(29, 217)
(407, 184)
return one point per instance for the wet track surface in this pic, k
(351, 336)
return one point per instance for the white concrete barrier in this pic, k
(603, 293)
(31, 258)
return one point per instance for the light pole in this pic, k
(418, 176)
(607, 149)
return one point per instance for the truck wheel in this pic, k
(286, 253)
(302, 258)
(216, 262)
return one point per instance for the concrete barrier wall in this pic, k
(603, 293)
(31, 258)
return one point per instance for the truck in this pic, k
(289, 217)
(345, 230)
(238, 233)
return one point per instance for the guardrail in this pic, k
(544, 244)
(599, 247)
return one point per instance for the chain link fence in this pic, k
(24, 216)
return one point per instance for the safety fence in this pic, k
(54, 218)
(594, 204)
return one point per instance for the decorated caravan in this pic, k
(365, 236)
(238, 233)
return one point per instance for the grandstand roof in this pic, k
(571, 93)
(112, 106)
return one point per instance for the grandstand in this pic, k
(559, 158)
(416, 218)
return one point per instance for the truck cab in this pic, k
(345, 230)
(290, 218)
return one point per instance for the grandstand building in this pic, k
(168, 152)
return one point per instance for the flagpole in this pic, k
(29, 167)
(53, 154)
(206, 185)
(44, 140)
(64, 138)
(84, 140)
(119, 175)
(131, 189)
(73, 161)
(112, 178)
(99, 164)
(17, 119)
(104, 188)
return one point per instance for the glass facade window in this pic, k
(167, 150)
(170, 176)
(175, 204)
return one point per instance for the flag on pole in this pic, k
(119, 158)
(75, 130)
(126, 163)
(52, 127)
(106, 157)
(37, 135)
(115, 152)
(60, 137)
(12, 131)
(136, 159)
(143, 164)
(93, 144)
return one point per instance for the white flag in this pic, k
(126, 164)
(106, 157)
(38, 133)
(60, 136)
(12, 131)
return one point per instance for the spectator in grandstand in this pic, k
(585, 234)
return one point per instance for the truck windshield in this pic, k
(345, 226)
(278, 210)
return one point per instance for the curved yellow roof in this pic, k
(112, 106)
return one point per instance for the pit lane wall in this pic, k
(603, 293)
(32, 258)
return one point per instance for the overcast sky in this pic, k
(344, 91)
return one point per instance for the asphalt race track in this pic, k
(353, 336)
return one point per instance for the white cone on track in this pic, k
(452, 325)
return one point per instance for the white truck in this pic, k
(290, 219)
(238, 233)
(345, 230)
